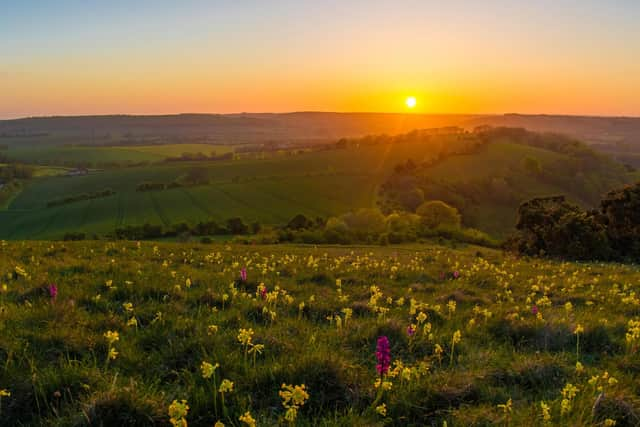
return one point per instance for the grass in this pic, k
(53, 352)
(133, 153)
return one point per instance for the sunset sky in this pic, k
(148, 57)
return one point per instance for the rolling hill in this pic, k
(484, 176)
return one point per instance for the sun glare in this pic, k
(410, 101)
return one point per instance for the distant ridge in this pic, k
(309, 125)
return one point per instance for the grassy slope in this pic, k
(505, 159)
(53, 355)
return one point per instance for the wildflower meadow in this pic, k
(102, 333)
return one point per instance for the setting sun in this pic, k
(410, 101)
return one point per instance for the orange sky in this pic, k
(216, 57)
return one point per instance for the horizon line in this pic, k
(54, 116)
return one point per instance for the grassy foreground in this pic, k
(476, 337)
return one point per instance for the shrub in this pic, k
(435, 213)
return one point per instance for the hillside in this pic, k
(508, 167)
(130, 328)
(484, 175)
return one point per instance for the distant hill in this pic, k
(618, 136)
(221, 128)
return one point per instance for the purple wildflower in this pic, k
(53, 291)
(383, 355)
(534, 310)
(263, 292)
(456, 274)
(243, 274)
(411, 330)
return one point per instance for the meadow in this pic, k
(99, 333)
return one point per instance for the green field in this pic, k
(273, 189)
(51, 154)
(175, 306)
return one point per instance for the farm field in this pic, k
(474, 337)
(119, 154)
(271, 191)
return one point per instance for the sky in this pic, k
(72, 57)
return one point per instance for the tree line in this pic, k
(552, 226)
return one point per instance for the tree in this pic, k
(435, 213)
(300, 222)
(554, 227)
(621, 214)
(197, 176)
(365, 222)
(237, 226)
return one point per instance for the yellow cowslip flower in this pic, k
(457, 337)
(226, 386)
(406, 374)
(187, 283)
(247, 419)
(127, 306)
(565, 406)
(451, 305)
(386, 385)
(579, 329)
(113, 353)
(218, 424)
(245, 336)
(293, 395)
(579, 368)
(5, 393)
(112, 336)
(421, 317)
(568, 307)
(438, 350)
(208, 369)
(132, 322)
(178, 412)
(4, 287)
(569, 391)
(212, 329)
(382, 410)
(609, 422)
(546, 412)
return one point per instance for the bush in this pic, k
(237, 226)
(436, 213)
